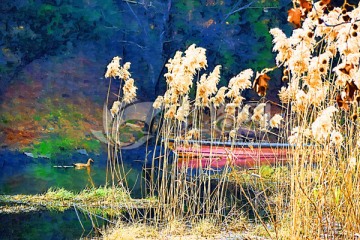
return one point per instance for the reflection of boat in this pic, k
(212, 154)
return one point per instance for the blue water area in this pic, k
(24, 175)
(45, 225)
(21, 174)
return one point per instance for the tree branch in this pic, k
(237, 10)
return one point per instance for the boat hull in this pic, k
(219, 156)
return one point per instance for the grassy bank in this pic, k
(106, 201)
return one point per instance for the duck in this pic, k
(83, 165)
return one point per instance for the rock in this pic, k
(82, 151)
(29, 154)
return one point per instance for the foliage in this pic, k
(52, 146)
(58, 144)
(152, 33)
(90, 145)
(35, 29)
(56, 126)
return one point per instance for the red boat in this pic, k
(196, 154)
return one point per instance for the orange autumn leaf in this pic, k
(350, 90)
(347, 68)
(261, 84)
(294, 17)
(342, 102)
(325, 2)
(306, 5)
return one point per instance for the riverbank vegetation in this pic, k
(102, 200)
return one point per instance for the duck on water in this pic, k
(79, 165)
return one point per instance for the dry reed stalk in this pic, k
(321, 62)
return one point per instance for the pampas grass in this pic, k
(195, 195)
(318, 194)
(319, 62)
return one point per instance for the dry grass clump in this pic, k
(236, 222)
(263, 232)
(133, 231)
(206, 228)
(176, 229)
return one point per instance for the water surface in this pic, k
(21, 174)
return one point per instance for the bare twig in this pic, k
(237, 10)
(77, 214)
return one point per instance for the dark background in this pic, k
(54, 55)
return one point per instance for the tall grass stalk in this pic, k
(321, 61)
(184, 187)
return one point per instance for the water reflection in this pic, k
(20, 174)
(36, 178)
(45, 225)
(88, 170)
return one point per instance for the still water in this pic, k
(21, 174)
(44, 225)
